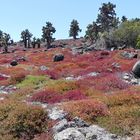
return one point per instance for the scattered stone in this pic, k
(129, 55)
(90, 48)
(95, 132)
(56, 114)
(7, 89)
(60, 126)
(126, 76)
(1, 98)
(80, 123)
(58, 57)
(93, 74)
(69, 134)
(14, 63)
(70, 78)
(135, 81)
(43, 68)
(4, 76)
(130, 79)
(22, 59)
(25, 49)
(116, 65)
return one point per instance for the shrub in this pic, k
(48, 96)
(61, 85)
(20, 120)
(74, 95)
(123, 99)
(127, 34)
(33, 81)
(86, 109)
(51, 73)
(17, 78)
(123, 120)
(110, 83)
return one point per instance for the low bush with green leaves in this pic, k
(32, 81)
(19, 120)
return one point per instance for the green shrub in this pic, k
(19, 120)
(32, 81)
(126, 34)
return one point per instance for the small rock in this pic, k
(80, 123)
(129, 55)
(14, 63)
(60, 126)
(58, 57)
(70, 78)
(43, 68)
(56, 114)
(25, 49)
(21, 59)
(1, 98)
(93, 74)
(116, 65)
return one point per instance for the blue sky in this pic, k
(17, 15)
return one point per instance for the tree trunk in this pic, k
(34, 45)
(28, 43)
(6, 49)
(25, 43)
(38, 45)
(48, 44)
(74, 37)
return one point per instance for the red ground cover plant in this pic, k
(50, 96)
(53, 74)
(47, 96)
(86, 109)
(110, 83)
(3, 78)
(104, 82)
(74, 95)
(18, 77)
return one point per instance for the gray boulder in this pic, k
(136, 69)
(14, 63)
(69, 134)
(58, 57)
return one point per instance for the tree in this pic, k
(48, 32)
(4, 41)
(92, 32)
(34, 42)
(74, 29)
(26, 38)
(38, 42)
(107, 17)
(124, 18)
